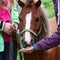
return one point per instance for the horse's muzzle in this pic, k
(25, 44)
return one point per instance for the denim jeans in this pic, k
(5, 55)
(14, 50)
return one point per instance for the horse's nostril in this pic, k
(32, 41)
(24, 43)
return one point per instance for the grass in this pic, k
(48, 4)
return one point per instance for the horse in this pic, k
(34, 27)
(53, 29)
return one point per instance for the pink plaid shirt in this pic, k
(5, 16)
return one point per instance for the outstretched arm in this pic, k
(45, 43)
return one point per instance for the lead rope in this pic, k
(19, 42)
(11, 45)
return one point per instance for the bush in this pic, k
(48, 4)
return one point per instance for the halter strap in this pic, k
(35, 34)
(27, 30)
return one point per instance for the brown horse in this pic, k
(53, 28)
(34, 27)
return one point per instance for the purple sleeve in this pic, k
(49, 42)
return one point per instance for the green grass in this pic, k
(48, 4)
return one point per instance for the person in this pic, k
(8, 19)
(48, 42)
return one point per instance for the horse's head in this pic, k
(31, 23)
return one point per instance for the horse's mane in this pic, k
(44, 15)
(52, 27)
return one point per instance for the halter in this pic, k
(35, 34)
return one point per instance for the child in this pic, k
(8, 11)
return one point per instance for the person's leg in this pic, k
(6, 51)
(14, 50)
(1, 55)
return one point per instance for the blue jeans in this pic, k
(14, 50)
(5, 55)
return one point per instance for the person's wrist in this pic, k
(35, 47)
(31, 49)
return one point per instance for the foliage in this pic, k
(48, 4)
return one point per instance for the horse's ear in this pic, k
(38, 3)
(21, 3)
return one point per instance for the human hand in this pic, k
(27, 50)
(15, 26)
(7, 27)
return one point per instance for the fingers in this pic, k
(21, 50)
(9, 28)
(27, 50)
(15, 26)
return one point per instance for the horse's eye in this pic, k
(37, 19)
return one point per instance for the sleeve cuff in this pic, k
(1, 25)
(36, 47)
